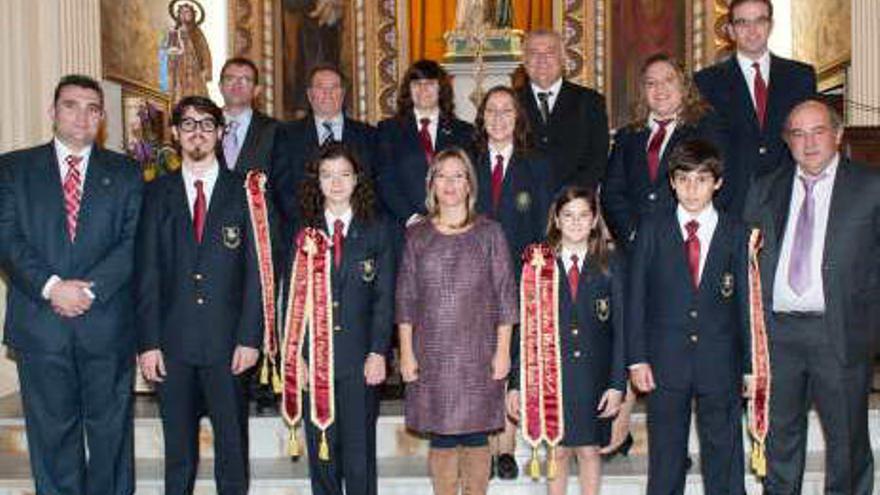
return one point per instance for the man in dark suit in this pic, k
(753, 91)
(687, 320)
(68, 217)
(820, 220)
(569, 122)
(298, 142)
(247, 142)
(198, 302)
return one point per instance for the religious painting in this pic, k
(314, 32)
(639, 29)
(822, 37)
(146, 115)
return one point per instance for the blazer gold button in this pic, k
(198, 276)
(335, 304)
(337, 328)
(577, 354)
(762, 150)
(200, 301)
(652, 197)
(694, 338)
(574, 331)
(692, 313)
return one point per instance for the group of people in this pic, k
(530, 274)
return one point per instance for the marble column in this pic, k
(864, 71)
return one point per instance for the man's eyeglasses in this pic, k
(190, 125)
(756, 22)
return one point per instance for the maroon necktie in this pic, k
(574, 276)
(199, 210)
(692, 246)
(497, 180)
(654, 147)
(72, 193)
(425, 139)
(760, 95)
(338, 227)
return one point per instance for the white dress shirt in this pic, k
(554, 90)
(654, 127)
(331, 219)
(208, 178)
(745, 65)
(434, 117)
(708, 220)
(506, 152)
(566, 254)
(336, 124)
(243, 120)
(813, 299)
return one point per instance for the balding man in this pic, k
(569, 121)
(820, 220)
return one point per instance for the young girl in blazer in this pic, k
(588, 345)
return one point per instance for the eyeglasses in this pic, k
(756, 22)
(234, 79)
(190, 125)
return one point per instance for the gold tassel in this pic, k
(534, 465)
(324, 448)
(551, 463)
(264, 372)
(759, 460)
(276, 381)
(292, 445)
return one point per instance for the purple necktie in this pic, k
(231, 146)
(799, 267)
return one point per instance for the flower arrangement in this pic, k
(147, 144)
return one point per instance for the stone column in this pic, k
(864, 72)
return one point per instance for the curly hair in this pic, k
(311, 199)
(694, 107)
(420, 70)
(521, 131)
(599, 243)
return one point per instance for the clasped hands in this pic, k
(71, 298)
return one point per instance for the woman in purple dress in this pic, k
(456, 305)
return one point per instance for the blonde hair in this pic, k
(471, 174)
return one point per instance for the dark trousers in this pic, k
(72, 401)
(805, 370)
(186, 392)
(719, 426)
(351, 438)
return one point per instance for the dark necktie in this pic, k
(574, 276)
(799, 268)
(497, 180)
(544, 99)
(692, 246)
(329, 137)
(760, 95)
(425, 139)
(199, 210)
(338, 227)
(654, 147)
(72, 193)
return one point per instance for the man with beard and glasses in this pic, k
(198, 302)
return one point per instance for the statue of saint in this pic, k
(189, 58)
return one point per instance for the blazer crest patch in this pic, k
(727, 284)
(231, 236)
(603, 309)
(368, 270)
(523, 201)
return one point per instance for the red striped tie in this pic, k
(497, 180)
(574, 276)
(760, 95)
(72, 193)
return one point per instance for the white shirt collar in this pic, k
(62, 151)
(745, 64)
(432, 116)
(330, 218)
(553, 89)
(565, 254)
(830, 171)
(209, 179)
(706, 218)
(506, 152)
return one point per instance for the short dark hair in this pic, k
(200, 104)
(426, 69)
(736, 3)
(244, 62)
(696, 155)
(325, 67)
(79, 81)
(816, 100)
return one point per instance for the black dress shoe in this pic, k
(493, 467)
(688, 463)
(622, 449)
(506, 467)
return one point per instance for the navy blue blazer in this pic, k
(850, 267)
(296, 143)
(363, 296)
(34, 245)
(628, 194)
(402, 167)
(256, 151)
(524, 203)
(591, 329)
(575, 140)
(689, 336)
(197, 302)
(754, 151)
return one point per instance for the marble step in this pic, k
(269, 435)
(401, 476)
